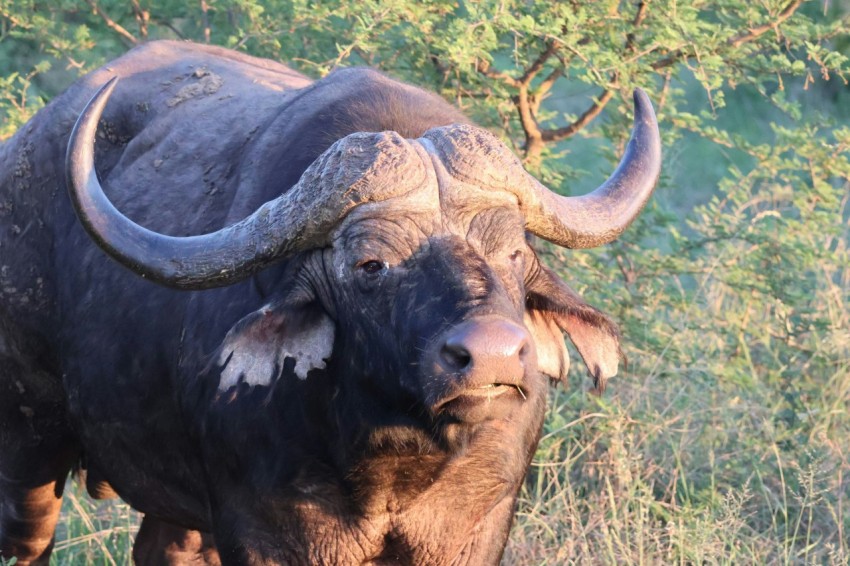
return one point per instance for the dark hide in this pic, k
(158, 542)
(291, 418)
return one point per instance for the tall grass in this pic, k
(98, 533)
(728, 440)
(669, 473)
(662, 472)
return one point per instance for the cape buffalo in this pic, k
(328, 341)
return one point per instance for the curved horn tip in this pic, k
(110, 84)
(643, 105)
(103, 93)
(87, 121)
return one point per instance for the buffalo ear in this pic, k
(552, 356)
(256, 349)
(595, 336)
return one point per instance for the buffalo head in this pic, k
(412, 267)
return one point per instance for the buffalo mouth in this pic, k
(479, 368)
(492, 390)
(480, 403)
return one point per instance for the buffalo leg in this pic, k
(37, 451)
(27, 521)
(159, 542)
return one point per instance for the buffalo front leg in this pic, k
(27, 521)
(37, 451)
(159, 543)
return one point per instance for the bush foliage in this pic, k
(726, 441)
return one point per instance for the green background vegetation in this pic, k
(727, 438)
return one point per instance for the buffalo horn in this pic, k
(478, 158)
(601, 216)
(300, 219)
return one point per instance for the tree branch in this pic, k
(528, 102)
(441, 68)
(639, 16)
(169, 25)
(587, 116)
(736, 41)
(544, 88)
(535, 67)
(142, 16)
(533, 134)
(205, 20)
(754, 33)
(483, 67)
(112, 24)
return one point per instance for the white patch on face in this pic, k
(312, 348)
(258, 358)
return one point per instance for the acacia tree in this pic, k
(502, 57)
(732, 445)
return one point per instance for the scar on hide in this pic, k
(208, 83)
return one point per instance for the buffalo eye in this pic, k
(372, 267)
(516, 256)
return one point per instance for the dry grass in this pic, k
(94, 532)
(614, 487)
(627, 483)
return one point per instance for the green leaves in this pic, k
(17, 100)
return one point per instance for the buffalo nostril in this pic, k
(489, 350)
(524, 351)
(455, 356)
